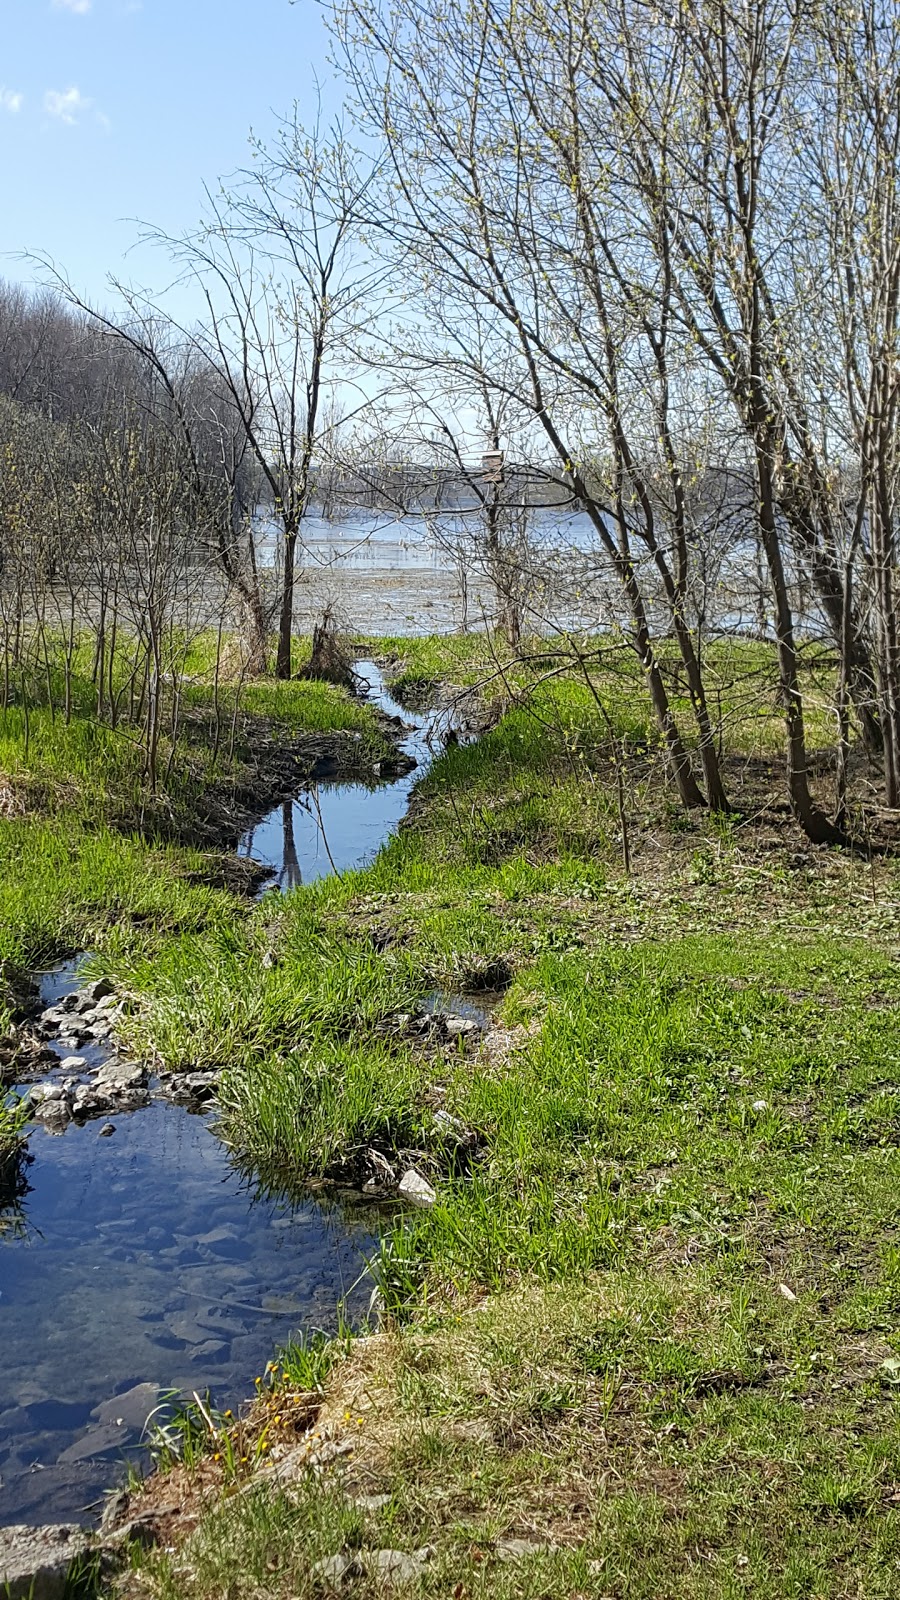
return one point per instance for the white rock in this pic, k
(72, 1064)
(458, 1027)
(416, 1188)
(786, 1293)
(760, 1105)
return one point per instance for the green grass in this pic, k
(86, 857)
(64, 887)
(654, 1329)
(13, 1116)
(85, 766)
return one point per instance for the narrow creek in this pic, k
(337, 826)
(144, 1262)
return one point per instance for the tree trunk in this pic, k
(813, 821)
(286, 623)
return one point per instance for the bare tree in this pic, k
(282, 290)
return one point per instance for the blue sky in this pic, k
(118, 109)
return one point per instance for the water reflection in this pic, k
(336, 827)
(14, 1187)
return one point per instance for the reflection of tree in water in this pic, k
(14, 1186)
(290, 876)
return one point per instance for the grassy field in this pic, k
(89, 858)
(646, 1344)
(650, 1336)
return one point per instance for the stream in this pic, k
(143, 1263)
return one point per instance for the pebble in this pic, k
(72, 1064)
(107, 1131)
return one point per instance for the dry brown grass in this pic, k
(12, 800)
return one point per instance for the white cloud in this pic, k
(67, 104)
(11, 101)
(80, 7)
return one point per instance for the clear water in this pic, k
(142, 1263)
(145, 1262)
(338, 826)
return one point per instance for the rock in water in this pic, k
(120, 1075)
(100, 989)
(35, 1563)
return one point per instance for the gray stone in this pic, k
(130, 1409)
(114, 1508)
(335, 1570)
(100, 989)
(107, 1131)
(53, 1016)
(191, 1088)
(120, 1075)
(72, 1064)
(54, 1114)
(86, 1103)
(399, 1566)
(93, 1442)
(35, 1562)
(140, 1530)
(416, 1188)
(518, 1549)
(459, 1027)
